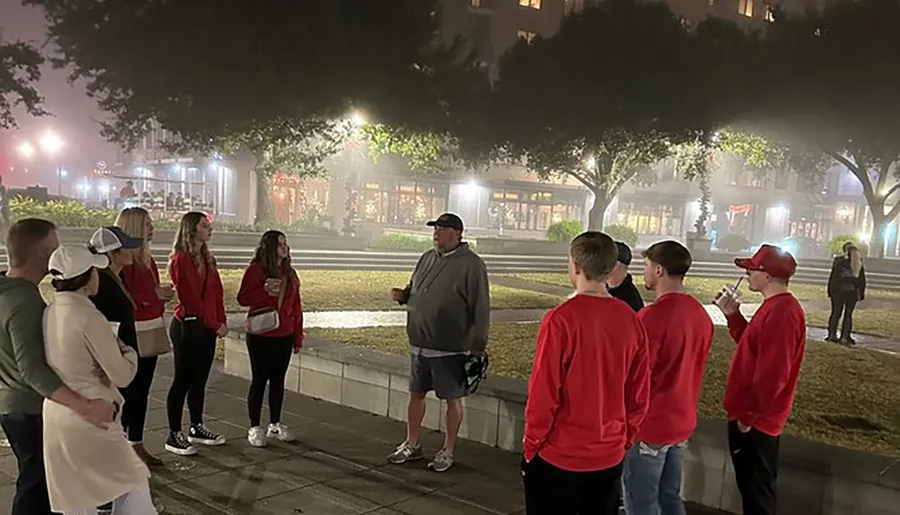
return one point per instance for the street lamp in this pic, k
(27, 150)
(51, 144)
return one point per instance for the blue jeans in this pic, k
(652, 479)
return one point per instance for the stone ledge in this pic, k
(814, 478)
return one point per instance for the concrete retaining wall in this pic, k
(813, 478)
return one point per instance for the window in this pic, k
(534, 4)
(745, 8)
(770, 13)
(475, 3)
(652, 219)
(532, 211)
(526, 35)
(403, 202)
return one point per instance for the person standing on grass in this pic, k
(846, 287)
(25, 377)
(588, 393)
(762, 379)
(141, 280)
(448, 313)
(680, 334)
(270, 285)
(620, 283)
(88, 466)
(199, 318)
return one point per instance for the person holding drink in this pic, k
(762, 378)
(199, 318)
(271, 289)
(141, 279)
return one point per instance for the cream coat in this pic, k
(86, 466)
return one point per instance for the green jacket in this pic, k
(25, 377)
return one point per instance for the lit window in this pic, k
(534, 4)
(527, 36)
(770, 13)
(745, 8)
(475, 3)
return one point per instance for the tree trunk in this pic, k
(598, 211)
(264, 214)
(876, 240)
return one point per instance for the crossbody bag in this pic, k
(266, 319)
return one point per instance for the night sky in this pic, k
(73, 113)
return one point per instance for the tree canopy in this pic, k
(830, 91)
(600, 100)
(20, 69)
(276, 78)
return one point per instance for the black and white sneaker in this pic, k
(202, 436)
(178, 444)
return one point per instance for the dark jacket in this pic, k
(841, 282)
(448, 302)
(117, 306)
(628, 293)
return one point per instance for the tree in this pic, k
(693, 162)
(20, 69)
(830, 81)
(274, 78)
(597, 100)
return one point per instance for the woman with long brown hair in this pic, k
(198, 319)
(141, 278)
(846, 287)
(271, 289)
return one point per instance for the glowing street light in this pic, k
(27, 150)
(357, 119)
(51, 143)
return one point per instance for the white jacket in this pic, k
(86, 466)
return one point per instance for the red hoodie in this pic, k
(762, 379)
(590, 385)
(198, 295)
(141, 283)
(253, 294)
(680, 333)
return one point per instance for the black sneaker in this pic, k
(202, 436)
(178, 444)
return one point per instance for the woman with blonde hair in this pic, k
(141, 279)
(846, 287)
(88, 466)
(198, 319)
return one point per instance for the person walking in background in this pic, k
(25, 377)
(198, 319)
(141, 280)
(680, 334)
(448, 313)
(88, 466)
(620, 284)
(271, 289)
(762, 379)
(588, 393)
(846, 287)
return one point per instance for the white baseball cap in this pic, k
(70, 262)
(107, 239)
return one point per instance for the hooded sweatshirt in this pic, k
(448, 302)
(25, 377)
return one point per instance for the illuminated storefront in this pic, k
(652, 219)
(296, 200)
(402, 201)
(524, 210)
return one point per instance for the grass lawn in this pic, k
(706, 289)
(328, 290)
(834, 381)
(876, 322)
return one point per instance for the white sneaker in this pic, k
(280, 432)
(256, 437)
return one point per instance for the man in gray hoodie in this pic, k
(448, 313)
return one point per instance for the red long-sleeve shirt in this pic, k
(679, 334)
(198, 295)
(253, 294)
(590, 385)
(762, 379)
(141, 282)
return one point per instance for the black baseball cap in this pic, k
(624, 253)
(447, 220)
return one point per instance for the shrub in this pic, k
(404, 242)
(622, 233)
(64, 213)
(564, 231)
(733, 243)
(836, 245)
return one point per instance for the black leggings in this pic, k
(842, 304)
(194, 347)
(136, 394)
(270, 357)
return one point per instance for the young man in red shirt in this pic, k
(679, 333)
(588, 392)
(762, 379)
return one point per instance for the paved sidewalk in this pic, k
(336, 467)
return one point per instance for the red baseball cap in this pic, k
(772, 260)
